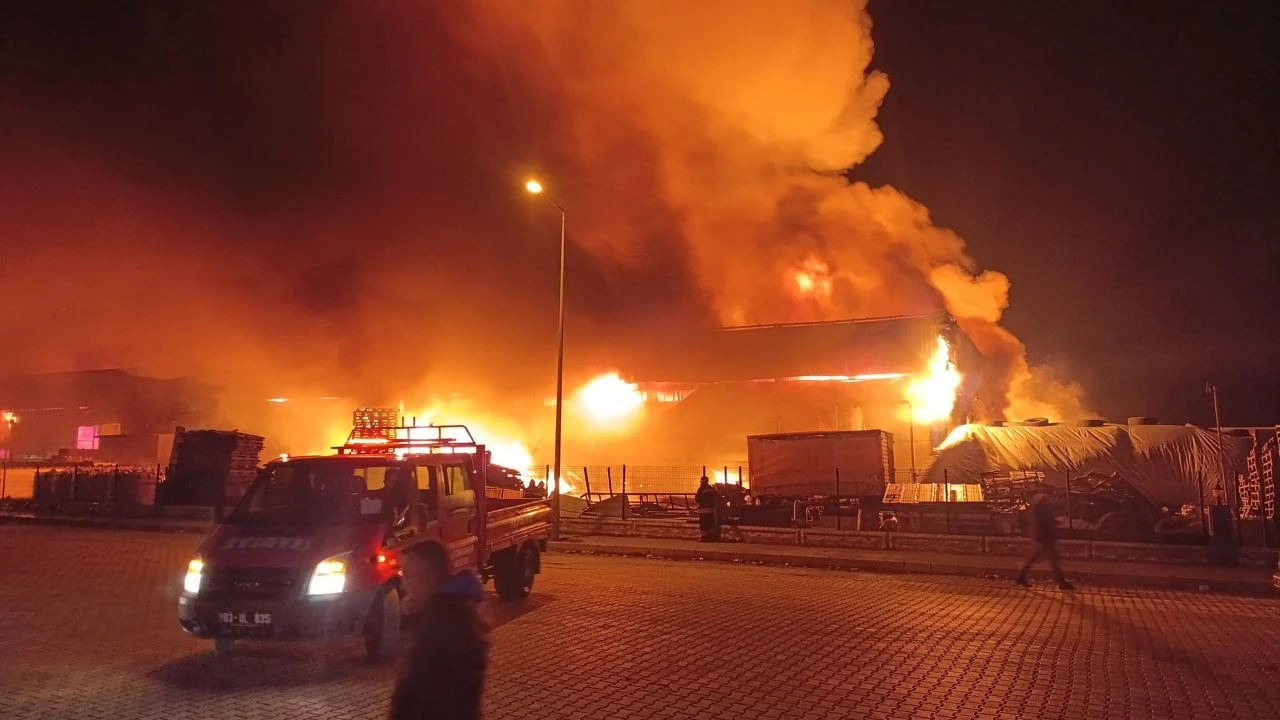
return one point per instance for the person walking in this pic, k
(443, 672)
(708, 499)
(1043, 532)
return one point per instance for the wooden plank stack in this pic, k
(211, 467)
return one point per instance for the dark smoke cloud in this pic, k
(324, 197)
(743, 118)
(291, 197)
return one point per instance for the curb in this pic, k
(108, 523)
(876, 565)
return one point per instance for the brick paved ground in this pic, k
(87, 630)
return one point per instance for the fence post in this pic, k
(704, 471)
(1204, 516)
(739, 476)
(839, 520)
(75, 475)
(586, 479)
(625, 500)
(946, 505)
(608, 473)
(1068, 481)
(115, 481)
(4, 477)
(35, 486)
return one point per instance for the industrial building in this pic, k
(842, 375)
(101, 415)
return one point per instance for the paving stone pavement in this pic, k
(88, 630)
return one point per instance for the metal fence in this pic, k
(1086, 505)
(607, 480)
(80, 483)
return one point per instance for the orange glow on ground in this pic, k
(932, 394)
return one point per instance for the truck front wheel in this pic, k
(514, 572)
(382, 628)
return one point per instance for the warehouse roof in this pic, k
(844, 347)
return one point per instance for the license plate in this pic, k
(245, 619)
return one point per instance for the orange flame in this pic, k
(813, 279)
(932, 394)
(610, 399)
(505, 446)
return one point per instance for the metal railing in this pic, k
(80, 483)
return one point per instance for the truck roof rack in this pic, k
(381, 431)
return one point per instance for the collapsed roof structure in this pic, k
(722, 385)
(839, 348)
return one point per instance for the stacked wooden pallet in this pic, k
(211, 467)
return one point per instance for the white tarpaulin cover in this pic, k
(1164, 462)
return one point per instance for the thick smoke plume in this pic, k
(740, 119)
(323, 199)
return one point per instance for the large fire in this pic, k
(609, 399)
(932, 394)
(496, 434)
(813, 279)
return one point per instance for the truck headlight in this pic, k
(191, 582)
(329, 578)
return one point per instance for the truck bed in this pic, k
(513, 521)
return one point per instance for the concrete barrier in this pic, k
(910, 542)
(929, 542)
(845, 539)
(763, 535)
(1143, 552)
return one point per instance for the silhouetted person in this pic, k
(442, 676)
(1043, 532)
(708, 500)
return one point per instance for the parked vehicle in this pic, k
(311, 550)
(802, 464)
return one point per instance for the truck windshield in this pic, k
(322, 492)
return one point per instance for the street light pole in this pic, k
(535, 187)
(555, 493)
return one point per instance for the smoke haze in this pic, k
(303, 198)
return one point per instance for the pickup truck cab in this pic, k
(311, 550)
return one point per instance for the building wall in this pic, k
(58, 412)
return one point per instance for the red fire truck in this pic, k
(311, 550)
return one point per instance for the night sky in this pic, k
(297, 169)
(1119, 161)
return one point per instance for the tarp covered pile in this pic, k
(1167, 463)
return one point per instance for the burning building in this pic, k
(107, 415)
(899, 374)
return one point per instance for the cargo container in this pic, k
(805, 464)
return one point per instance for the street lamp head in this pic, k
(533, 186)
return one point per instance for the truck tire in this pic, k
(515, 571)
(382, 627)
(224, 646)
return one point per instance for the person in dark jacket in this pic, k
(443, 671)
(708, 499)
(1043, 532)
